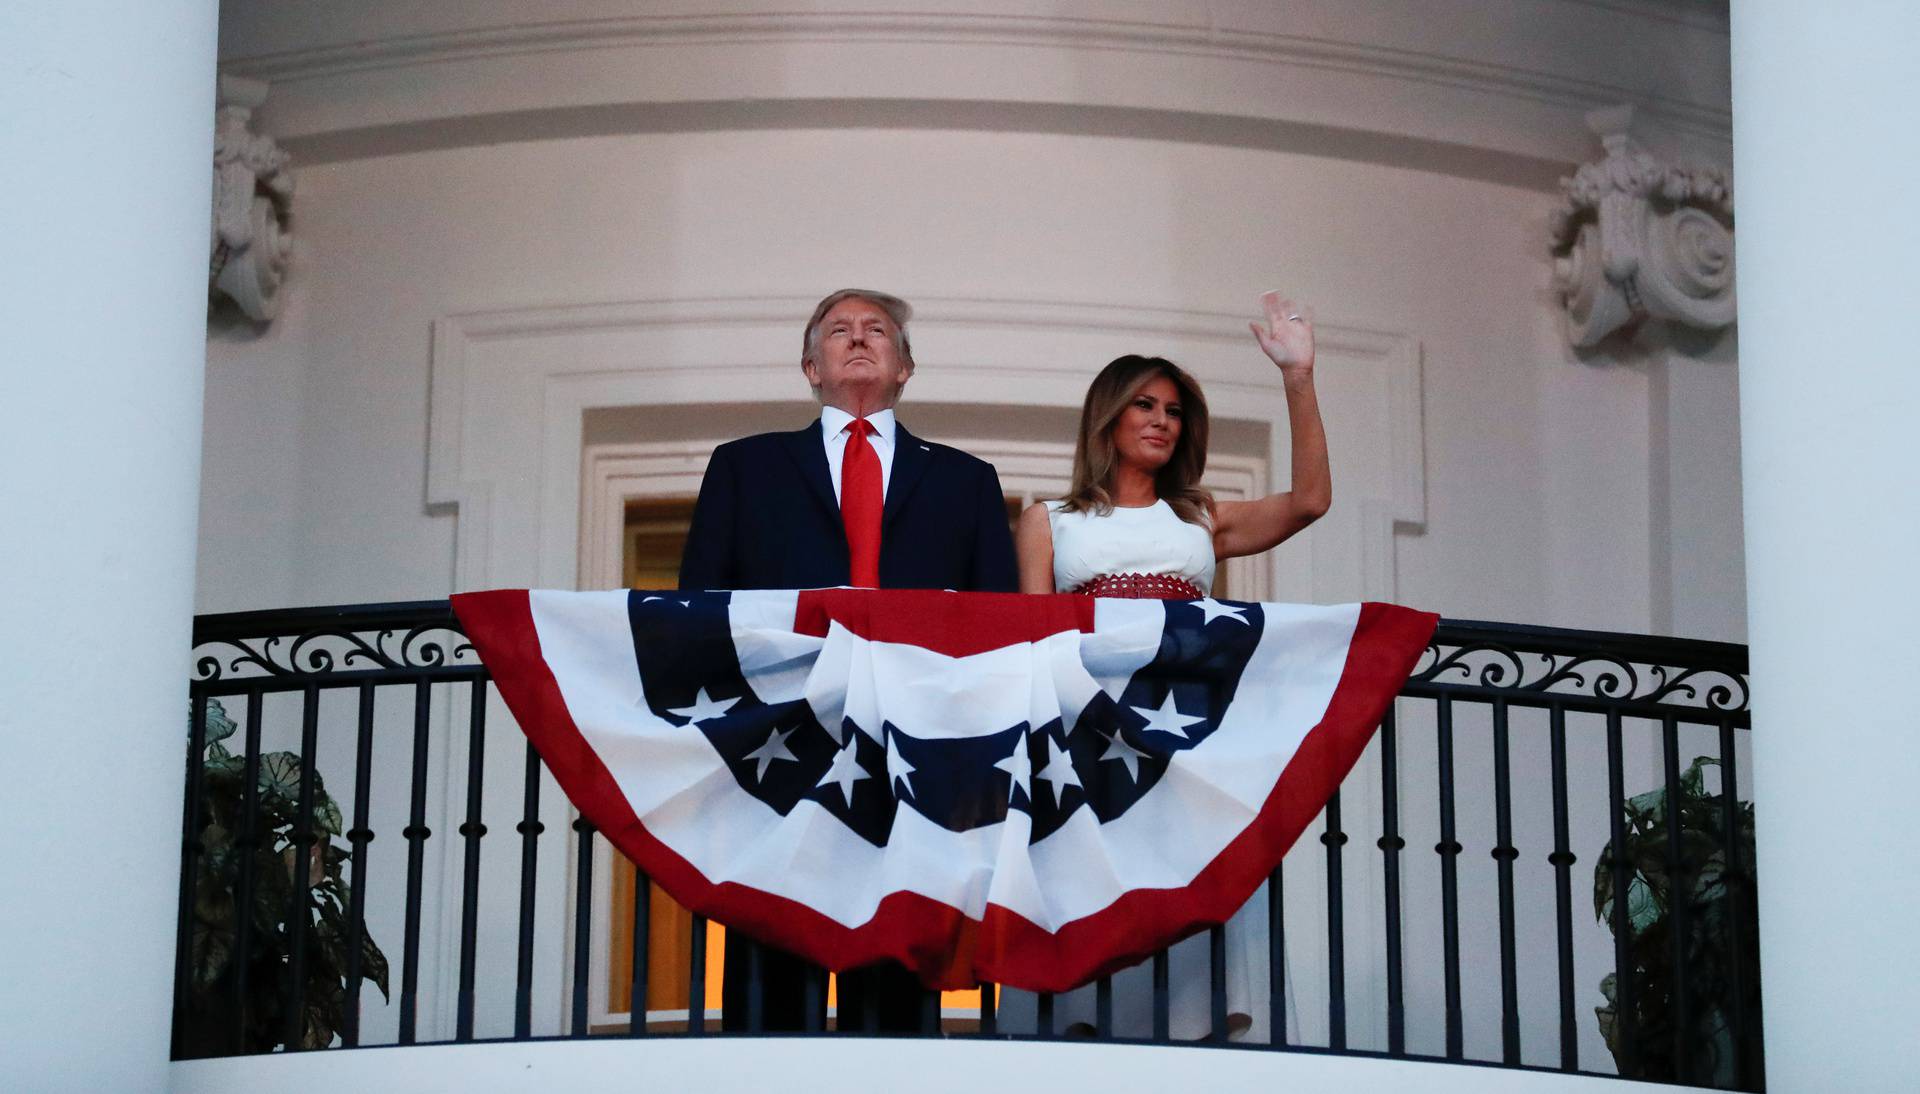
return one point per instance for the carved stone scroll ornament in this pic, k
(252, 201)
(1637, 238)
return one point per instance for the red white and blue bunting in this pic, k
(1028, 790)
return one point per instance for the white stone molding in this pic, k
(1638, 239)
(365, 78)
(252, 204)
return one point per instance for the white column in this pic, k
(1826, 158)
(106, 119)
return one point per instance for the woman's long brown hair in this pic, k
(1094, 457)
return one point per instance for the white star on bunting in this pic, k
(846, 771)
(1016, 766)
(1059, 770)
(1216, 610)
(774, 749)
(899, 771)
(1119, 749)
(1167, 719)
(704, 708)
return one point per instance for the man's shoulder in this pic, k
(952, 458)
(758, 443)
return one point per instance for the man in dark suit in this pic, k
(852, 499)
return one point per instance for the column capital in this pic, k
(252, 204)
(1636, 238)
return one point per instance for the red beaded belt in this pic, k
(1141, 587)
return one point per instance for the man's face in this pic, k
(858, 366)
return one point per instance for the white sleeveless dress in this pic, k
(1143, 543)
(1145, 552)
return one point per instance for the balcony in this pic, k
(415, 877)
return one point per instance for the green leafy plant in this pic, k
(1719, 911)
(213, 1023)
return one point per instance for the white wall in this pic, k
(1539, 466)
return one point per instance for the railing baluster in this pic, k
(358, 837)
(1626, 1016)
(1043, 1010)
(582, 924)
(1335, 839)
(1277, 956)
(1563, 859)
(299, 902)
(1390, 847)
(1681, 886)
(247, 843)
(1449, 850)
(1504, 853)
(989, 1018)
(815, 1003)
(471, 830)
(642, 957)
(417, 833)
(697, 981)
(929, 1012)
(190, 847)
(1735, 890)
(1217, 982)
(1162, 1014)
(1103, 1008)
(756, 983)
(530, 829)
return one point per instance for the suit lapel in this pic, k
(911, 457)
(810, 453)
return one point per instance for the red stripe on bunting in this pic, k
(932, 938)
(1387, 642)
(947, 950)
(955, 624)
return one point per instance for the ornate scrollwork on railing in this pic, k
(1616, 676)
(326, 651)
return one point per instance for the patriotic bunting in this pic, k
(1028, 790)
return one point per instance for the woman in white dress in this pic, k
(1138, 523)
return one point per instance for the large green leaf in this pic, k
(326, 815)
(218, 726)
(280, 782)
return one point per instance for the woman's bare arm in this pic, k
(1033, 549)
(1250, 527)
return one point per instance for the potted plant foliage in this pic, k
(1722, 927)
(213, 1023)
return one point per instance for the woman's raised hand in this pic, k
(1287, 336)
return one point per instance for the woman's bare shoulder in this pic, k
(1037, 516)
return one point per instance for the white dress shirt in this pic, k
(833, 431)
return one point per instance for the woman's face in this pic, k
(1148, 430)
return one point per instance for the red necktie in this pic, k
(860, 505)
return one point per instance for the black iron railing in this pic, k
(1557, 730)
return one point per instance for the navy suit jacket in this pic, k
(768, 519)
